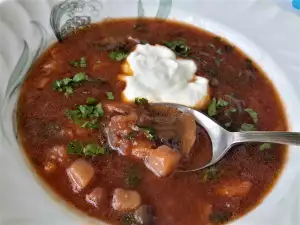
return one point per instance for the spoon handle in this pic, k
(292, 138)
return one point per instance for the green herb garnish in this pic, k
(133, 177)
(265, 146)
(87, 116)
(110, 95)
(179, 47)
(149, 132)
(215, 105)
(78, 148)
(91, 100)
(67, 85)
(247, 127)
(212, 108)
(222, 103)
(140, 101)
(74, 147)
(118, 56)
(253, 114)
(132, 135)
(210, 173)
(81, 63)
(93, 149)
(220, 217)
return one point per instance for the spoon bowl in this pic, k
(222, 140)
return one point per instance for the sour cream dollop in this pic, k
(153, 72)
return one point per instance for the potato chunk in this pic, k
(162, 161)
(80, 173)
(124, 200)
(97, 197)
(234, 188)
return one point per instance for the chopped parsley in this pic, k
(247, 127)
(66, 85)
(149, 132)
(220, 217)
(93, 149)
(265, 146)
(222, 103)
(140, 101)
(215, 105)
(74, 147)
(133, 177)
(87, 116)
(118, 55)
(210, 173)
(212, 108)
(91, 101)
(218, 61)
(252, 114)
(110, 95)
(78, 148)
(179, 47)
(81, 63)
(132, 135)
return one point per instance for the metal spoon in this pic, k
(223, 140)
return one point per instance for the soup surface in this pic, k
(114, 159)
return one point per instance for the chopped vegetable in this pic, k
(220, 217)
(209, 174)
(118, 56)
(215, 104)
(110, 95)
(132, 177)
(66, 85)
(149, 132)
(219, 51)
(93, 149)
(212, 108)
(78, 148)
(162, 161)
(91, 101)
(247, 127)
(87, 115)
(179, 47)
(253, 114)
(265, 146)
(140, 101)
(74, 147)
(81, 63)
(218, 61)
(222, 103)
(132, 135)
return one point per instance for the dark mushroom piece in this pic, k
(144, 215)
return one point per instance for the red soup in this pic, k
(116, 159)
